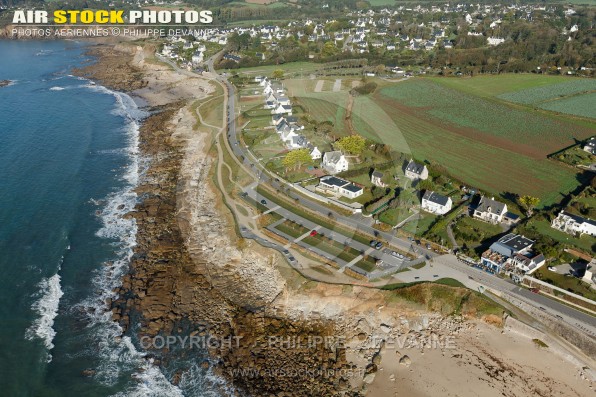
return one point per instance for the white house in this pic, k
(436, 203)
(590, 146)
(334, 162)
(197, 57)
(376, 178)
(490, 210)
(527, 263)
(416, 171)
(315, 154)
(282, 109)
(574, 224)
(340, 186)
(495, 40)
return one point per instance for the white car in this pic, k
(552, 269)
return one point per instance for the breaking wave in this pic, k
(46, 306)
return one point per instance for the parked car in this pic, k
(373, 243)
(379, 245)
(264, 202)
(535, 290)
(313, 233)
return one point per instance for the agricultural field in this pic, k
(523, 131)
(492, 86)
(536, 95)
(290, 69)
(485, 143)
(579, 105)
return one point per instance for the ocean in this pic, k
(69, 163)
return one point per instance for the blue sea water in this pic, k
(68, 166)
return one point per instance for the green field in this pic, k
(292, 68)
(491, 86)
(579, 105)
(486, 143)
(535, 95)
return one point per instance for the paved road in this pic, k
(392, 261)
(448, 266)
(463, 272)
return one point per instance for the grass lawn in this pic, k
(368, 264)
(472, 231)
(285, 203)
(393, 216)
(418, 228)
(291, 229)
(585, 243)
(332, 247)
(568, 283)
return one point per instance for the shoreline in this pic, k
(181, 274)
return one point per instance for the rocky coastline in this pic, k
(191, 276)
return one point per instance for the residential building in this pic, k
(500, 253)
(527, 263)
(376, 178)
(415, 171)
(490, 210)
(590, 146)
(436, 203)
(315, 154)
(334, 162)
(340, 186)
(574, 224)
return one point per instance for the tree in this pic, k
(278, 74)
(529, 203)
(329, 49)
(296, 158)
(426, 184)
(353, 144)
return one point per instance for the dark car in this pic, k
(379, 245)
(264, 202)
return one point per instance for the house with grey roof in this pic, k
(376, 178)
(339, 186)
(436, 203)
(490, 210)
(574, 224)
(334, 162)
(507, 247)
(590, 146)
(415, 171)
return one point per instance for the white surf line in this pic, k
(268, 211)
(319, 86)
(337, 85)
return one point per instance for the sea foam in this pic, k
(46, 306)
(118, 355)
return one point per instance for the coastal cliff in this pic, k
(189, 268)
